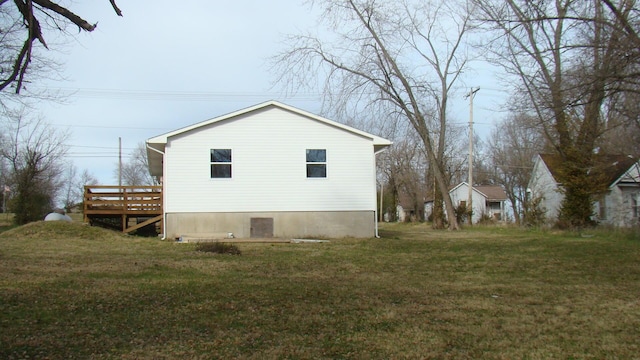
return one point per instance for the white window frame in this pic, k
(214, 163)
(324, 163)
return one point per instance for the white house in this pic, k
(486, 200)
(270, 170)
(619, 206)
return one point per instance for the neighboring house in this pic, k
(428, 209)
(270, 170)
(619, 206)
(410, 208)
(487, 200)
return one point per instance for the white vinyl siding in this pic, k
(460, 194)
(543, 185)
(269, 172)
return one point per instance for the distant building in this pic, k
(487, 200)
(619, 206)
(410, 208)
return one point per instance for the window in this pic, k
(220, 163)
(316, 163)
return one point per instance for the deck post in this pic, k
(124, 210)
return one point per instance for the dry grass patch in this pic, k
(71, 291)
(218, 248)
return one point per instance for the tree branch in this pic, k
(71, 16)
(34, 31)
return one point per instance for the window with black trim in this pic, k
(220, 163)
(316, 163)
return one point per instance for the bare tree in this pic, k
(23, 24)
(69, 193)
(623, 108)
(626, 14)
(402, 169)
(568, 58)
(73, 186)
(136, 170)
(513, 146)
(457, 157)
(622, 130)
(405, 54)
(35, 153)
(5, 190)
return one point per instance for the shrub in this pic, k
(486, 219)
(535, 213)
(218, 248)
(462, 213)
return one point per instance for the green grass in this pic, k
(72, 291)
(6, 222)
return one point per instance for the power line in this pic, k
(467, 123)
(140, 94)
(111, 127)
(122, 94)
(115, 156)
(100, 147)
(88, 153)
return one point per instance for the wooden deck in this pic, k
(125, 208)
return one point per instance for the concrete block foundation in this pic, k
(328, 224)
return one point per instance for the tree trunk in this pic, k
(438, 210)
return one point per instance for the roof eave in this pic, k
(155, 157)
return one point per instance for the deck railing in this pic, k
(125, 201)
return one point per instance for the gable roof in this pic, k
(156, 145)
(490, 192)
(610, 168)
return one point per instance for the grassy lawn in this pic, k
(72, 291)
(6, 221)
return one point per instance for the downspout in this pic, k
(164, 198)
(375, 185)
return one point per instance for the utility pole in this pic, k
(471, 95)
(120, 162)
